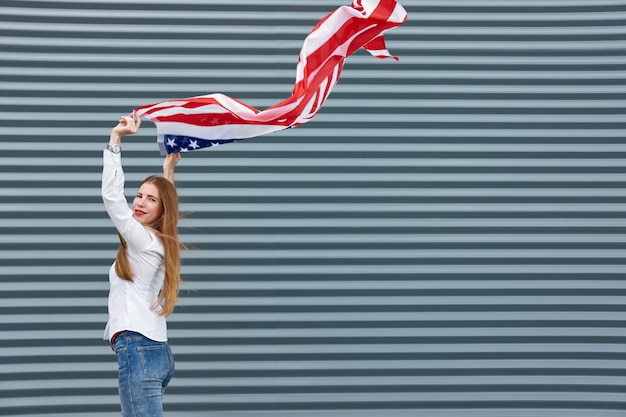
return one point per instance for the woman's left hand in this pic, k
(127, 125)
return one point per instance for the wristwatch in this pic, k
(114, 148)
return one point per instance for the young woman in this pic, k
(144, 279)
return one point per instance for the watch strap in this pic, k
(114, 148)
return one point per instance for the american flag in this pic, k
(210, 120)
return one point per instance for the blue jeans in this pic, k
(145, 368)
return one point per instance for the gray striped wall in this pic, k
(446, 238)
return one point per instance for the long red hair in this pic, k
(167, 230)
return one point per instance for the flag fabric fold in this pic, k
(210, 120)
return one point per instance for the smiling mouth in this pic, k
(139, 213)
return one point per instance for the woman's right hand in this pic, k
(169, 163)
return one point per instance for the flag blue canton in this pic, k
(177, 144)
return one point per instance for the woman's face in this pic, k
(147, 207)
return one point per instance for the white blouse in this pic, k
(132, 304)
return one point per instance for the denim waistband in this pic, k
(128, 336)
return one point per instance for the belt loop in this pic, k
(113, 338)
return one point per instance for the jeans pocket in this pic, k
(155, 360)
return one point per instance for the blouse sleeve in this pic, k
(134, 233)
